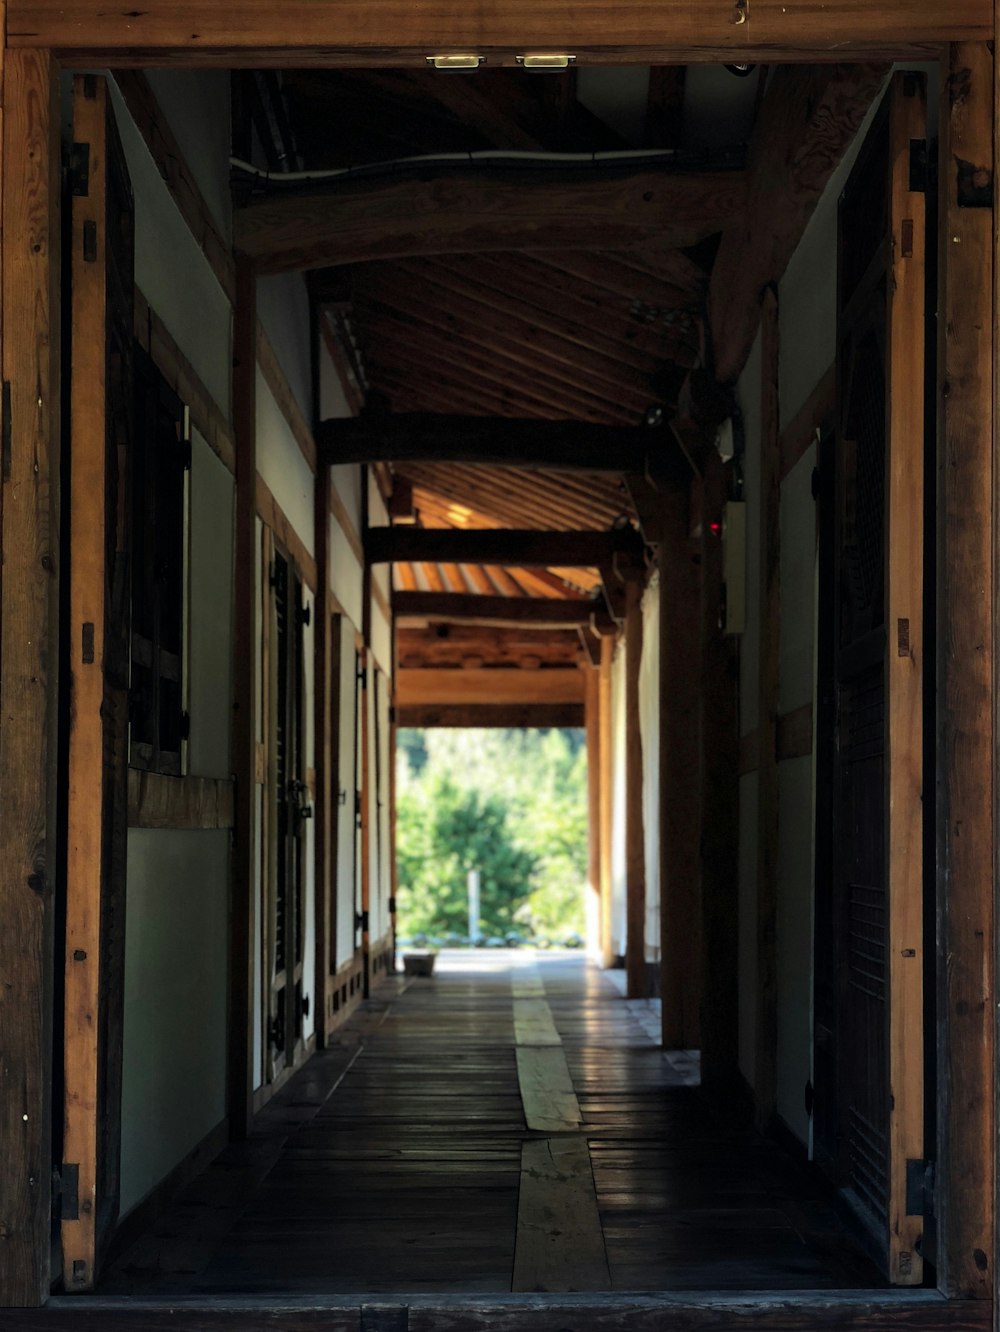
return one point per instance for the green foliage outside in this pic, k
(512, 804)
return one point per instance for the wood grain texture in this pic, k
(166, 152)
(513, 612)
(29, 504)
(769, 653)
(156, 801)
(809, 116)
(606, 813)
(533, 1024)
(966, 674)
(489, 715)
(560, 1243)
(635, 841)
(681, 978)
(547, 1093)
(242, 1016)
(904, 675)
(469, 212)
(394, 33)
(489, 686)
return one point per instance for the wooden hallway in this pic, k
(509, 1125)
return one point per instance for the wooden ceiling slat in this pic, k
(504, 581)
(478, 575)
(503, 503)
(584, 310)
(433, 578)
(388, 341)
(411, 392)
(607, 272)
(406, 577)
(616, 384)
(596, 497)
(454, 577)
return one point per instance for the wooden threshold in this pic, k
(850, 1311)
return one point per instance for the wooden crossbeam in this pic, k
(517, 549)
(555, 445)
(506, 715)
(489, 685)
(808, 118)
(400, 33)
(472, 211)
(541, 612)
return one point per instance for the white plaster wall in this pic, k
(798, 574)
(174, 1043)
(283, 310)
(649, 723)
(283, 468)
(618, 749)
(794, 936)
(346, 836)
(211, 615)
(170, 269)
(196, 105)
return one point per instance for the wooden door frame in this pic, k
(29, 595)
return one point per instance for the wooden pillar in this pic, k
(719, 733)
(635, 846)
(680, 759)
(592, 722)
(364, 671)
(966, 665)
(245, 650)
(29, 506)
(326, 684)
(766, 1067)
(606, 786)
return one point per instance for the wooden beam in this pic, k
(29, 505)
(592, 722)
(664, 126)
(679, 760)
(574, 446)
(719, 821)
(397, 33)
(606, 813)
(459, 211)
(635, 842)
(966, 632)
(769, 652)
(517, 549)
(556, 684)
(245, 650)
(179, 803)
(488, 715)
(326, 675)
(808, 119)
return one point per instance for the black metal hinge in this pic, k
(919, 167)
(361, 921)
(392, 906)
(185, 726)
(305, 614)
(920, 1188)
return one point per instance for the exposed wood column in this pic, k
(680, 757)
(635, 847)
(765, 1080)
(592, 723)
(326, 684)
(719, 703)
(245, 649)
(606, 782)
(966, 628)
(29, 500)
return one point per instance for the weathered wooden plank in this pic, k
(635, 844)
(576, 446)
(904, 674)
(808, 119)
(560, 1243)
(533, 1023)
(244, 742)
(966, 665)
(507, 546)
(491, 686)
(547, 1093)
(468, 212)
(769, 653)
(29, 504)
(679, 763)
(490, 715)
(606, 815)
(208, 32)
(156, 801)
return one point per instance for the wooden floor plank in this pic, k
(550, 1103)
(533, 1023)
(560, 1243)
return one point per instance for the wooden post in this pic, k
(326, 684)
(765, 1078)
(966, 639)
(606, 782)
(719, 823)
(592, 723)
(29, 506)
(245, 648)
(364, 669)
(635, 846)
(680, 758)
